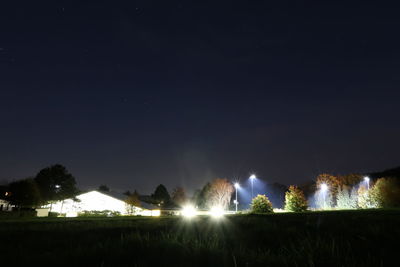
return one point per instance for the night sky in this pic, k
(132, 94)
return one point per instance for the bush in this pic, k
(99, 213)
(22, 213)
(295, 200)
(261, 204)
(386, 193)
(366, 199)
(346, 199)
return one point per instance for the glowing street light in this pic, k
(366, 180)
(217, 212)
(324, 188)
(236, 199)
(252, 178)
(188, 211)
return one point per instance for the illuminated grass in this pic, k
(335, 238)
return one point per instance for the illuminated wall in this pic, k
(96, 201)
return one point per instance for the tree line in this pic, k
(49, 185)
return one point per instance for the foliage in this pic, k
(104, 188)
(346, 199)
(24, 193)
(133, 202)
(350, 179)
(219, 193)
(261, 204)
(201, 196)
(366, 199)
(179, 196)
(56, 183)
(161, 196)
(295, 200)
(97, 213)
(386, 193)
(331, 181)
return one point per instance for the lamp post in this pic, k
(366, 180)
(236, 199)
(252, 178)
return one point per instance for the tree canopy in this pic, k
(261, 204)
(56, 183)
(24, 193)
(295, 200)
(219, 193)
(178, 197)
(161, 196)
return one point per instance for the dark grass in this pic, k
(336, 238)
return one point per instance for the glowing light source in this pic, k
(236, 199)
(366, 179)
(188, 211)
(217, 212)
(324, 187)
(252, 178)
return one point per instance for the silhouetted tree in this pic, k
(24, 193)
(161, 196)
(201, 196)
(104, 188)
(179, 196)
(56, 183)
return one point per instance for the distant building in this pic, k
(100, 201)
(5, 205)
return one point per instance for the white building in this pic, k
(5, 205)
(98, 201)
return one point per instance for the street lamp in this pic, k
(236, 199)
(324, 189)
(366, 180)
(252, 178)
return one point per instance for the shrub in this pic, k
(386, 193)
(261, 204)
(295, 200)
(366, 199)
(97, 213)
(346, 199)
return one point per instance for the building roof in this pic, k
(123, 197)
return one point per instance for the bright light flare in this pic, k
(324, 187)
(217, 212)
(366, 178)
(189, 211)
(237, 185)
(253, 176)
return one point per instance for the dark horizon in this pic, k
(133, 94)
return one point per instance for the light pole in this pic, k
(252, 178)
(324, 189)
(236, 200)
(366, 179)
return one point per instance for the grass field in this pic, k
(335, 238)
